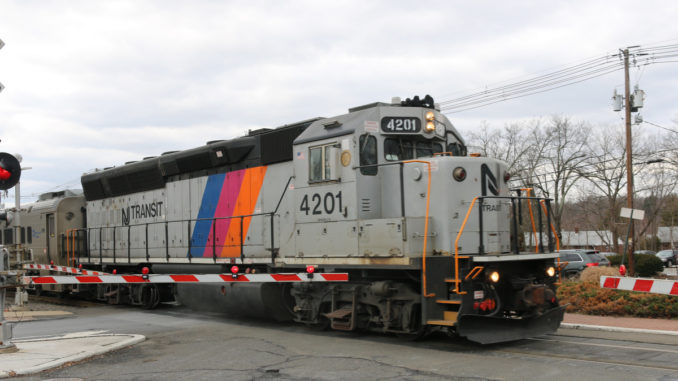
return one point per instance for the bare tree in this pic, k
(605, 170)
(554, 167)
(655, 181)
(510, 143)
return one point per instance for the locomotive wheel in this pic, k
(323, 322)
(150, 296)
(420, 331)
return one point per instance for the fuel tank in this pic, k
(256, 300)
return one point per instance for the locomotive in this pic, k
(387, 193)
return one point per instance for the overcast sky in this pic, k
(92, 84)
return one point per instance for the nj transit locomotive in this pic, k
(385, 192)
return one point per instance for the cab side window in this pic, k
(368, 155)
(319, 163)
(457, 149)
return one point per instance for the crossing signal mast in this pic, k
(10, 172)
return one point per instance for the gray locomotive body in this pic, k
(350, 191)
(385, 192)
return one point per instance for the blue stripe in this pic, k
(210, 199)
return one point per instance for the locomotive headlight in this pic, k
(459, 174)
(494, 276)
(430, 116)
(430, 126)
(551, 271)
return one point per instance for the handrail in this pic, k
(553, 229)
(456, 248)
(213, 219)
(474, 272)
(534, 229)
(70, 246)
(456, 279)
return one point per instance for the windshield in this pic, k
(665, 254)
(595, 257)
(396, 149)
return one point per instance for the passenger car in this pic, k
(597, 257)
(668, 257)
(577, 261)
(644, 252)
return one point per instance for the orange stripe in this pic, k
(247, 200)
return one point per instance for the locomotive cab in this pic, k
(363, 181)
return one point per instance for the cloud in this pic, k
(95, 84)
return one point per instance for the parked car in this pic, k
(669, 257)
(598, 257)
(644, 252)
(577, 261)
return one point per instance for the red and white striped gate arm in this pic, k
(187, 278)
(62, 269)
(654, 286)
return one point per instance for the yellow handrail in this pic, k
(428, 198)
(534, 228)
(475, 272)
(456, 249)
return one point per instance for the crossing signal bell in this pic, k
(10, 171)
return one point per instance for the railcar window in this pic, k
(319, 163)
(427, 149)
(23, 234)
(368, 154)
(29, 232)
(50, 225)
(8, 238)
(457, 149)
(399, 149)
(570, 257)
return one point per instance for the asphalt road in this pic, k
(185, 345)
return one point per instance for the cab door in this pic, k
(325, 198)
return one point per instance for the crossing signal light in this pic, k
(10, 171)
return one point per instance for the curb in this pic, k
(616, 329)
(132, 339)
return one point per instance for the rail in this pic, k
(72, 236)
(515, 247)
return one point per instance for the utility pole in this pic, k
(629, 166)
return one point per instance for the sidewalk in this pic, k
(41, 353)
(621, 324)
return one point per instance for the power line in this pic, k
(487, 103)
(664, 128)
(544, 81)
(583, 71)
